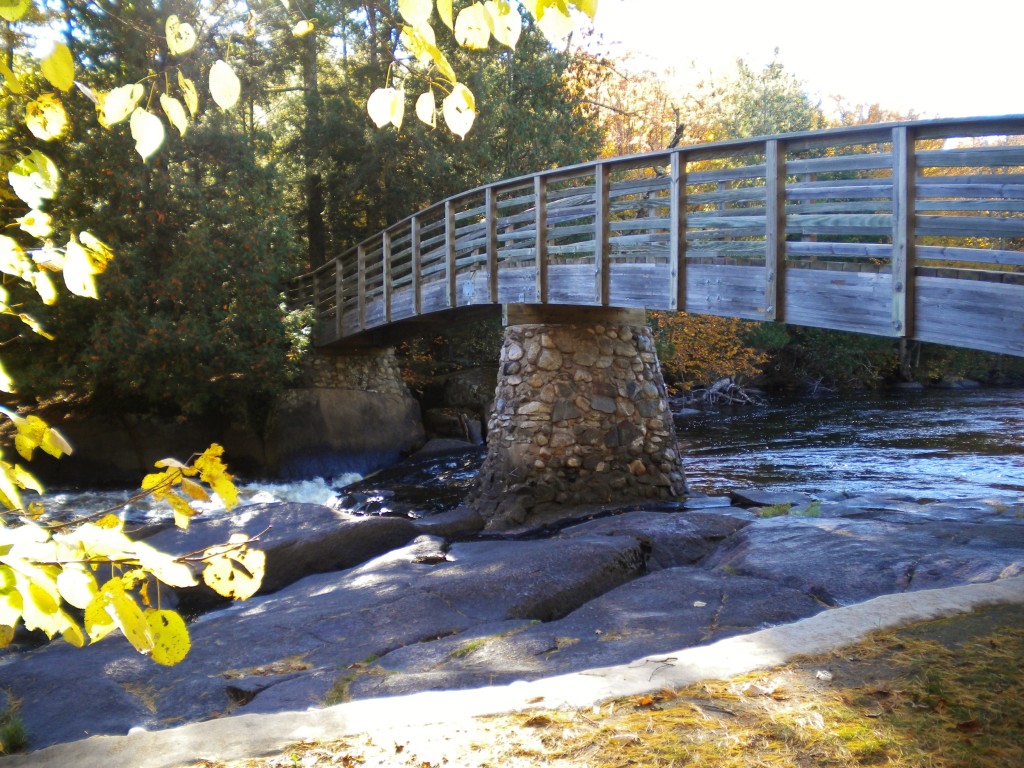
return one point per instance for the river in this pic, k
(931, 445)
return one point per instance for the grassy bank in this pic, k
(943, 694)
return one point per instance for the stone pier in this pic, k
(580, 416)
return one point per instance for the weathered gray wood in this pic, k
(339, 291)
(662, 237)
(775, 232)
(417, 266)
(541, 240)
(361, 285)
(491, 206)
(903, 236)
(677, 233)
(601, 234)
(386, 256)
(449, 251)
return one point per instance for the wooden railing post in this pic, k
(491, 222)
(775, 232)
(449, 250)
(339, 294)
(361, 284)
(677, 233)
(316, 295)
(385, 254)
(540, 207)
(904, 170)
(417, 260)
(602, 257)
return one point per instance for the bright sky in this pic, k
(941, 58)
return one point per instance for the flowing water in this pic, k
(936, 444)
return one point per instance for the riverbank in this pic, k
(420, 606)
(942, 692)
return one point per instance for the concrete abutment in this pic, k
(580, 416)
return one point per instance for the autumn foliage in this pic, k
(701, 349)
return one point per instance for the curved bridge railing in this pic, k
(911, 230)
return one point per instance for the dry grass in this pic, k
(947, 694)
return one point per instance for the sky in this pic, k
(940, 58)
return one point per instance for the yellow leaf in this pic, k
(416, 12)
(36, 223)
(77, 585)
(214, 473)
(426, 107)
(181, 37)
(194, 490)
(98, 252)
(225, 87)
(125, 612)
(26, 480)
(189, 93)
(588, 7)
(386, 105)
(118, 104)
(109, 522)
(34, 178)
(444, 10)
(174, 112)
(6, 635)
(10, 606)
(233, 570)
(459, 110)
(148, 132)
(170, 637)
(6, 382)
(12, 10)
(473, 27)
(506, 23)
(11, 80)
(54, 443)
(174, 463)
(41, 609)
(303, 28)
(45, 117)
(44, 287)
(78, 270)
(13, 260)
(72, 633)
(98, 623)
(59, 67)
(9, 487)
(165, 567)
(422, 44)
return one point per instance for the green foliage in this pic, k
(774, 510)
(13, 735)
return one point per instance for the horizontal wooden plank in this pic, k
(840, 163)
(971, 157)
(969, 226)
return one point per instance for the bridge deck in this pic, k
(912, 229)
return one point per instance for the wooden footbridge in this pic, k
(912, 230)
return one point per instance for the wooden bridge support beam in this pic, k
(580, 417)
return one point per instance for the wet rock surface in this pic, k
(439, 608)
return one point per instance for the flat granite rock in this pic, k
(288, 649)
(435, 614)
(298, 539)
(666, 611)
(842, 560)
